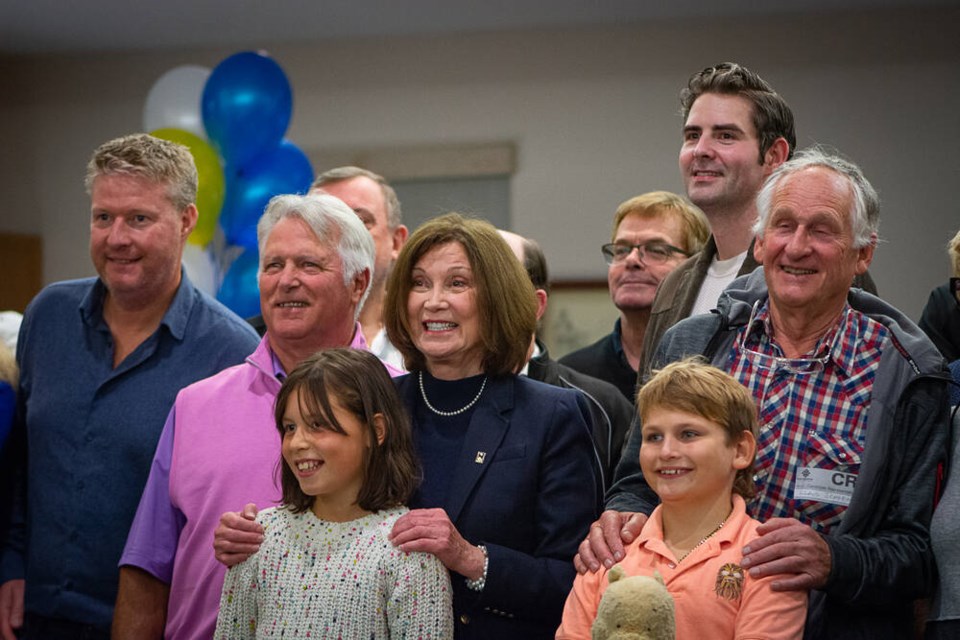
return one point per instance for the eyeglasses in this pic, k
(649, 252)
(796, 366)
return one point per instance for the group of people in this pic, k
(782, 482)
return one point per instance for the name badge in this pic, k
(824, 485)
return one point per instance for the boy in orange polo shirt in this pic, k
(699, 441)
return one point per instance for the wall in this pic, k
(593, 114)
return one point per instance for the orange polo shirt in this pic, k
(713, 597)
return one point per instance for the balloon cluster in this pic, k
(233, 120)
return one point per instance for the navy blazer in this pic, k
(526, 488)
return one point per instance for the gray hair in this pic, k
(347, 173)
(143, 156)
(326, 216)
(865, 216)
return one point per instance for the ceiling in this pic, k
(84, 26)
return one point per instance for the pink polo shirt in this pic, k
(218, 451)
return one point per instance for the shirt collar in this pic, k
(278, 371)
(357, 342)
(175, 317)
(839, 348)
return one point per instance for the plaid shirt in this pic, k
(813, 411)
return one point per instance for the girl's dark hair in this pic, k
(362, 386)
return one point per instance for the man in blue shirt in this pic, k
(101, 361)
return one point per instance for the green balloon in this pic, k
(211, 187)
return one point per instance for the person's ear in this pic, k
(380, 427)
(776, 155)
(865, 255)
(400, 234)
(541, 303)
(360, 283)
(188, 220)
(758, 248)
(744, 450)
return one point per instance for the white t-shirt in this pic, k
(720, 273)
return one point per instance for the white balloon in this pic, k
(200, 267)
(174, 100)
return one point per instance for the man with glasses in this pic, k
(852, 407)
(652, 234)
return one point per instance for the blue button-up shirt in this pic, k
(91, 430)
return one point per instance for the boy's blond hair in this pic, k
(694, 387)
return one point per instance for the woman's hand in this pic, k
(431, 531)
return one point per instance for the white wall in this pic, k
(593, 114)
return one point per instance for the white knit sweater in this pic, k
(318, 579)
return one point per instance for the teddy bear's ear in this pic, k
(616, 573)
(658, 577)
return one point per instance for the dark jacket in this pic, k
(605, 360)
(525, 487)
(941, 321)
(611, 412)
(881, 556)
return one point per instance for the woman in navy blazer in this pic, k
(509, 485)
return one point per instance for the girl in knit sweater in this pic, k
(326, 568)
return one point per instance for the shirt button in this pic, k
(464, 618)
(89, 438)
(671, 565)
(843, 455)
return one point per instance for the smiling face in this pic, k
(327, 464)
(304, 302)
(633, 282)
(442, 312)
(137, 236)
(719, 158)
(687, 458)
(806, 247)
(365, 197)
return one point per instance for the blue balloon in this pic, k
(239, 289)
(284, 169)
(246, 106)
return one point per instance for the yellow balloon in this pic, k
(211, 187)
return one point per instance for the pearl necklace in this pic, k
(423, 394)
(702, 540)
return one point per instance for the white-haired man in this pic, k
(853, 411)
(219, 448)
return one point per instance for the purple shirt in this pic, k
(218, 451)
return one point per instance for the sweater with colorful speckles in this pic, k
(318, 579)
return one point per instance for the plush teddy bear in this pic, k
(634, 608)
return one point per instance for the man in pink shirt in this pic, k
(219, 449)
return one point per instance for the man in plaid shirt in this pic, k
(853, 411)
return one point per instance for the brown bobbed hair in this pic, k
(362, 386)
(506, 301)
(694, 387)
